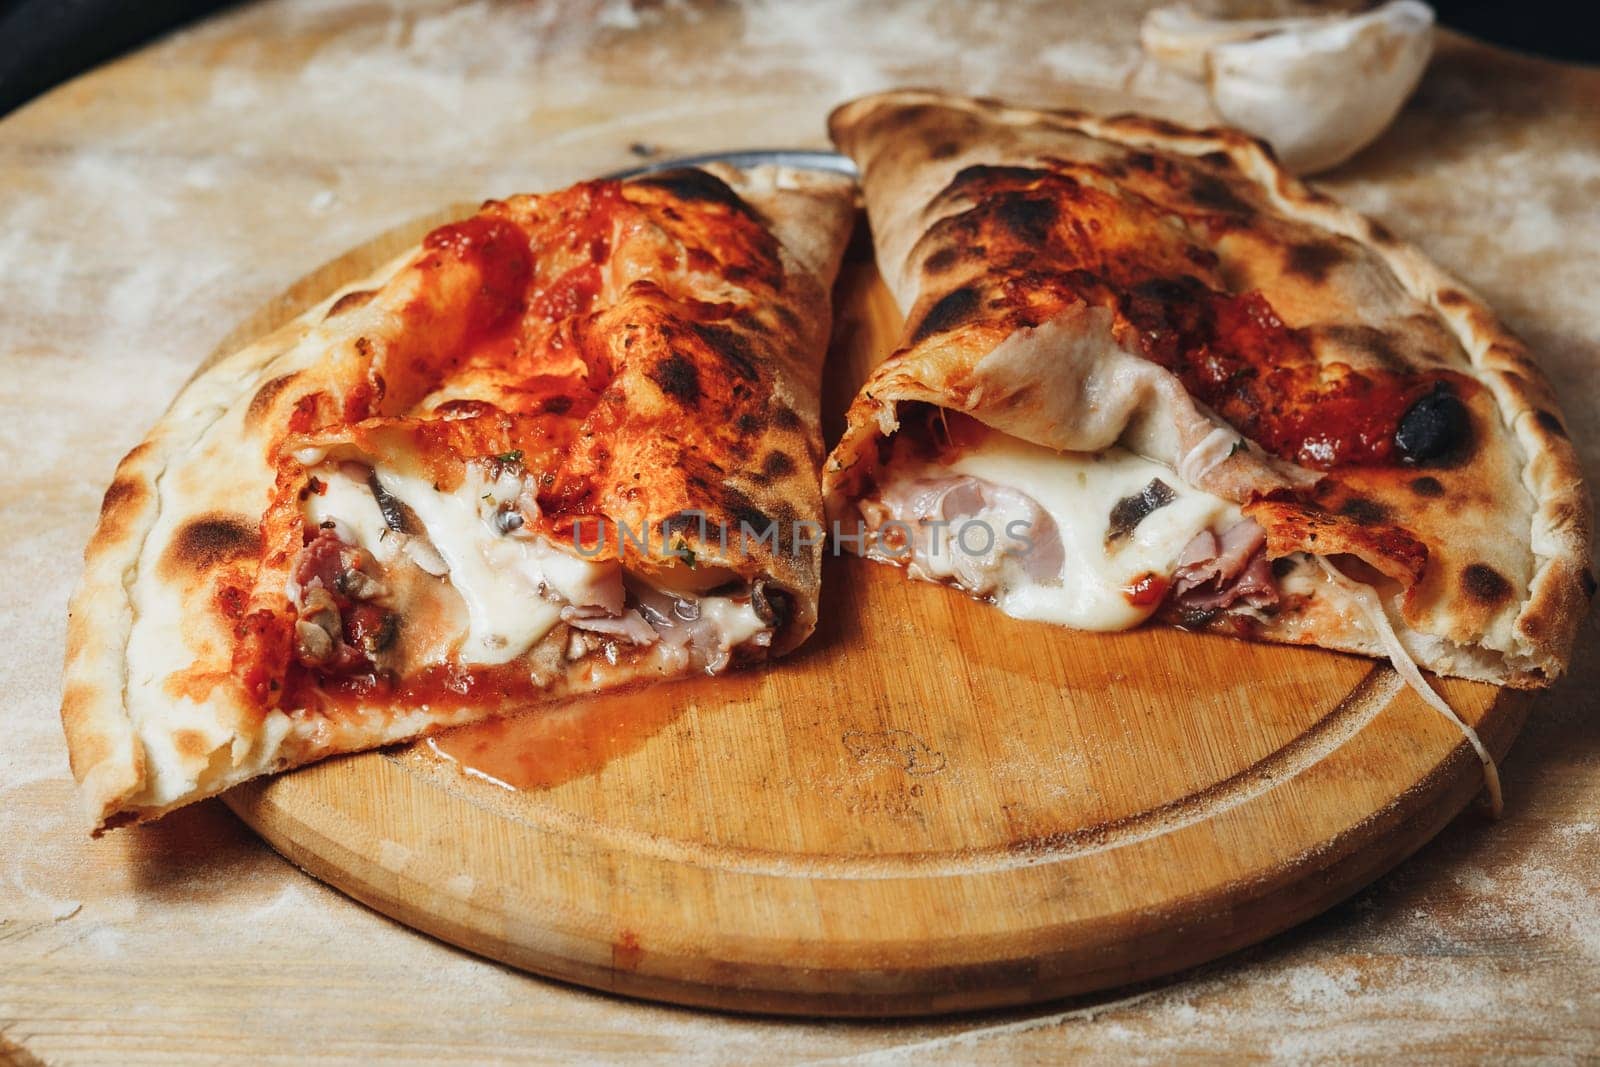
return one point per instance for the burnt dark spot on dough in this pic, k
(350, 301)
(942, 260)
(749, 423)
(1313, 260)
(752, 322)
(1550, 423)
(1369, 341)
(1452, 298)
(948, 312)
(787, 318)
(1427, 485)
(266, 396)
(784, 418)
(1363, 511)
(731, 346)
(1379, 232)
(693, 185)
(777, 465)
(678, 378)
(1209, 191)
(944, 150)
(122, 495)
(1484, 584)
(745, 514)
(209, 541)
(1217, 159)
(1029, 219)
(1587, 579)
(980, 178)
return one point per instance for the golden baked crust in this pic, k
(700, 299)
(1043, 258)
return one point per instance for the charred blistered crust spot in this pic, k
(785, 418)
(1370, 341)
(1451, 298)
(1364, 511)
(1218, 159)
(731, 346)
(1029, 218)
(1313, 260)
(1548, 421)
(1484, 584)
(266, 396)
(1379, 232)
(691, 185)
(788, 318)
(1587, 580)
(748, 319)
(122, 496)
(1214, 194)
(944, 150)
(678, 378)
(350, 301)
(777, 465)
(743, 511)
(980, 178)
(942, 260)
(749, 423)
(208, 542)
(1427, 486)
(948, 312)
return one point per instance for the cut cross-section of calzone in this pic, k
(1146, 373)
(570, 443)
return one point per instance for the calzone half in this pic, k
(1147, 374)
(567, 444)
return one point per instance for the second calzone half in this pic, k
(567, 444)
(1147, 374)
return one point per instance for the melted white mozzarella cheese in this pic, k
(500, 578)
(735, 622)
(348, 503)
(1078, 491)
(514, 587)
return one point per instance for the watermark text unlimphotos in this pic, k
(891, 538)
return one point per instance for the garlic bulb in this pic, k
(1318, 89)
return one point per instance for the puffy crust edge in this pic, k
(103, 747)
(1563, 580)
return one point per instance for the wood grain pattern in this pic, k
(930, 807)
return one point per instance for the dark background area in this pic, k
(45, 42)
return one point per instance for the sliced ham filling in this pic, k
(1094, 541)
(936, 510)
(1215, 573)
(375, 532)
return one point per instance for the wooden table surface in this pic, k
(149, 206)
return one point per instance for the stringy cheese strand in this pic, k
(1366, 597)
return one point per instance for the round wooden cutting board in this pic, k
(929, 807)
